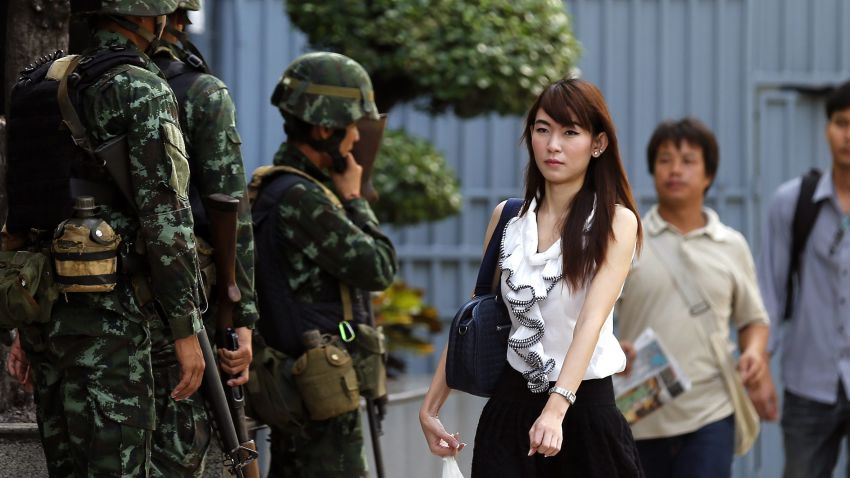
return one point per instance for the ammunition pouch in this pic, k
(327, 381)
(85, 255)
(272, 396)
(370, 353)
(27, 289)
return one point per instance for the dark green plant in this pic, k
(413, 181)
(471, 57)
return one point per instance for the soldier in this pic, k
(208, 122)
(318, 251)
(94, 385)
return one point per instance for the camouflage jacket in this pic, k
(326, 244)
(135, 102)
(208, 121)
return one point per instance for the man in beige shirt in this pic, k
(693, 435)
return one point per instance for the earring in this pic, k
(596, 154)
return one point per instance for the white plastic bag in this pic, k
(450, 468)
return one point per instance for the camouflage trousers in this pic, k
(93, 392)
(327, 449)
(182, 434)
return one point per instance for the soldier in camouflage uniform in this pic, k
(313, 244)
(208, 122)
(92, 368)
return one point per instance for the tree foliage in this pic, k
(414, 182)
(470, 57)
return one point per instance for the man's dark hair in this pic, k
(838, 100)
(694, 132)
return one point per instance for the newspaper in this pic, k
(655, 379)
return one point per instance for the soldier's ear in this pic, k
(321, 133)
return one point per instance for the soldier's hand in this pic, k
(18, 365)
(347, 184)
(237, 362)
(381, 407)
(191, 360)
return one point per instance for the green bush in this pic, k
(413, 181)
(471, 57)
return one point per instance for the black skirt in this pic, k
(597, 439)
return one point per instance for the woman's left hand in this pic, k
(547, 435)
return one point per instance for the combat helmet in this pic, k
(325, 89)
(193, 5)
(139, 8)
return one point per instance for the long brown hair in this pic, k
(574, 101)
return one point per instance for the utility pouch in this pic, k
(369, 351)
(85, 255)
(327, 381)
(272, 396)
(27, 289)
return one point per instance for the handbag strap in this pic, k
(484, 282)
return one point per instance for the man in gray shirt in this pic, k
(816, 340)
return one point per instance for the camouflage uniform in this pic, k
(208, 121)
(325, 244)
(92, 363)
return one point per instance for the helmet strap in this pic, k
(151, 37)
(189, 52)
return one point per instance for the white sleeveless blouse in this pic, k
(544, 311)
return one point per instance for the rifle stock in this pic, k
(365, 151)
(222, 211)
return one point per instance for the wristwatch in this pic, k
(570, 396)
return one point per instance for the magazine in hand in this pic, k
(656, 379)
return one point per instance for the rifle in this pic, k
(237, 457)
(375, 425)
(222, 214)
(365, 152)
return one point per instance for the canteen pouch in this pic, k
(370, 349)
(327, 382)
(85, 255)
(272, 396)
(27, 290)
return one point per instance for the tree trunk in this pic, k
(33, 28)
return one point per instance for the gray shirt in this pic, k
(816, 341)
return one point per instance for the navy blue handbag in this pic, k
(478, 338)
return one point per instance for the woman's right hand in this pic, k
(440, 442)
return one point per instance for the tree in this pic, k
(471, 58)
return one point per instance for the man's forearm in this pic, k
(754, 337)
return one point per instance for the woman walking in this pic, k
(563, 262)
